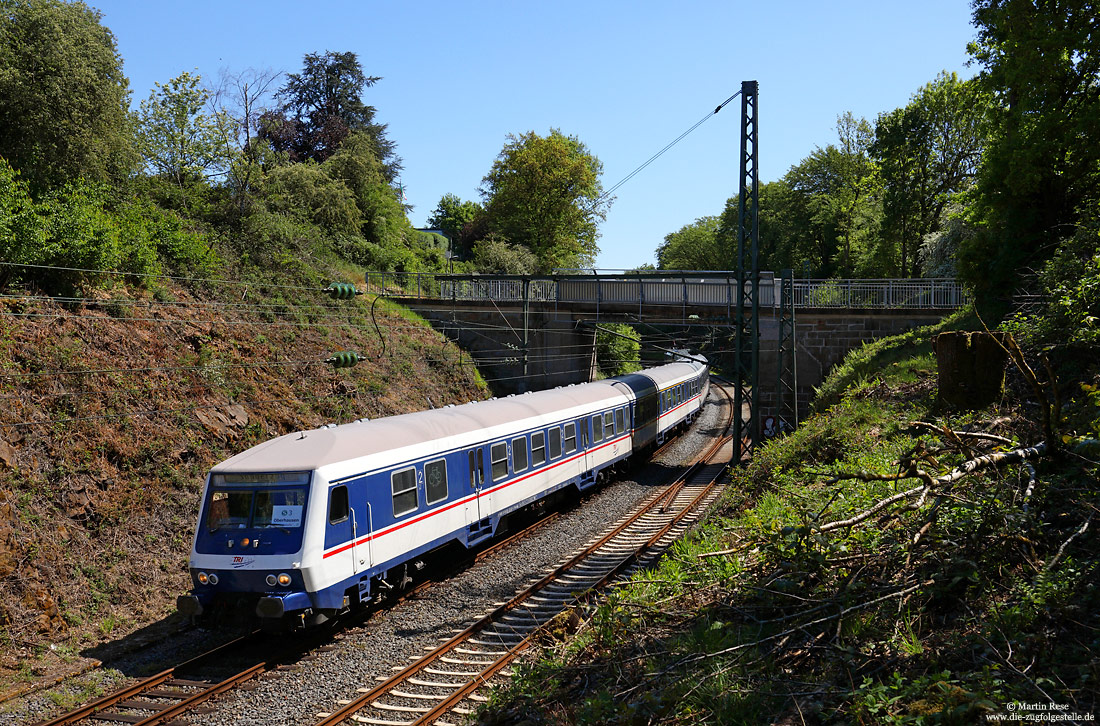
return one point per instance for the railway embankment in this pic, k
(894, 560)
(113, 406)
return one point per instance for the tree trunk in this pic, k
(971, 368)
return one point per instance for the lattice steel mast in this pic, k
(747, 344)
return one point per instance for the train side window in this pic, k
(555, 440)
(519, 454)
(597, 428)
(403, 486)
(498, 455)
(435, 481)
(627, 412)
(609, 423)
(620, 422)
(538, 448)
(338, 508)
(570, 438)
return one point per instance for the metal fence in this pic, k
(713, 289)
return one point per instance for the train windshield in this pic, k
(256, 508)
(256, 501)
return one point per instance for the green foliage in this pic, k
(495, 255)
(618, 347)
(1038, 176)
(307, 191)
(459, 221)
(63, 97)
(1070, 284)
(177, 139)
(693, 247)
(927, 151)
(75, 227)
(543, 192)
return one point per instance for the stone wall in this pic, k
(822, 339)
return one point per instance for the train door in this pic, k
(477, 522)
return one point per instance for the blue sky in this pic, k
(624, 77)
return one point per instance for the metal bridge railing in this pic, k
(688, 289)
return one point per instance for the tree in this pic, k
(240, 98)
(1041, 169)
(693, 247)
(927, 151)
(618, 349)
(544, 192)
(494, 255)
(322, 106)
(177, 140)
(63, 97)
(459, 221)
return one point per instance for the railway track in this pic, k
(497, 638)
(443, 686)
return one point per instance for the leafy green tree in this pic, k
(63, 96)
(461, 221)
(618, 349)
(543, 192)
(179, 141)
(495, 255)
(693, 247)
(927, 151)
(356, 164)
(322, 106)
(1041, 169)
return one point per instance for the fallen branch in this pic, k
(929, 482)
(980, 435)
(719, 553)
(1061, 550)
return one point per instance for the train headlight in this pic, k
(203, 578)
(271, 580)
(284, 579)
(213, 579)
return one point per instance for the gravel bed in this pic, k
(397, 635)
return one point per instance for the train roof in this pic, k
(475, 421)
(453, 426)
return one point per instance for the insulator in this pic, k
(344, 359)
(342, 290)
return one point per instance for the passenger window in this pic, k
(338, 504)
(435, 481)
(628, 417)
(570, 438)
(538, 448)
(519, 454)
(403, 486)
(620, 422)
(597, 428)
(609, 424)
(555, 441)
(498, 455)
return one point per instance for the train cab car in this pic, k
(312, 523)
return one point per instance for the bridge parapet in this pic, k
(709, 289)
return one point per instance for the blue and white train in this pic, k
(311, 524)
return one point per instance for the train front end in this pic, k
(247, 555)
